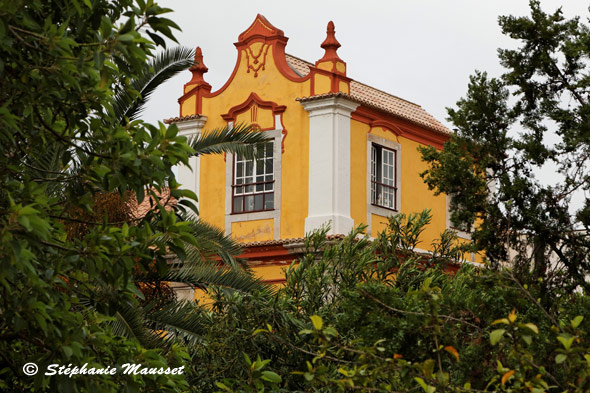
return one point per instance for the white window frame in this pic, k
(275, 214)
(373, 208)
(239, 184)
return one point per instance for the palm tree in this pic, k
(210, 261)
(201, 265)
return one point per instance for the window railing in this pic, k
(253, 197)
(383, 195)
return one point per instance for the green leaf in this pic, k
(425, 387)
(560, 358)
(530, 326)
(317, 322)
(496, 336)
(271, 377)
(566, 340)
(577, 321)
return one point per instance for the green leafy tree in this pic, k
(66, 143)
(510, 132)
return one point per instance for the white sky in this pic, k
(420, 50)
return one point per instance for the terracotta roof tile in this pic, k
(371, 97)
(179, 119)
(293, 240)
(139, 210)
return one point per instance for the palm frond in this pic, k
(182, 320)
(239, 139)
(211, 244)
(130, 104)
(202, 275)
(130, 322)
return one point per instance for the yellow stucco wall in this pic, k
(270, 85)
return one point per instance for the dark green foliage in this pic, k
(341, 324)
(510, 132)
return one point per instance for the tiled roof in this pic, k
(294, 240)
(178, 119)
(371, 97)
(139, 210)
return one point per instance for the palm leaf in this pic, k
(211, 243)
(129, 104)
(202, 275)
(239, 139)
(182, 320)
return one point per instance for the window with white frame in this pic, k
(253, 181)
(383, 177)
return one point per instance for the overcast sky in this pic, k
(420, 50)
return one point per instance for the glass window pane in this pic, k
(258, 202)
(269, 201)
(249, 168)
(239, 190)
(249, 203)
(259, 187)
(238, 204)
(259, 167)
(268, 186)
(239, 169)
(269, 167)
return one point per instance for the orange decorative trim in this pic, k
(198, 68)
(257, 64)
(399, 127)
(260, 27)
(330, 45)
(256, 100)
(387, 125)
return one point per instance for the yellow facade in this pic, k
(283, 94)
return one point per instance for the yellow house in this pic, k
(338, 151)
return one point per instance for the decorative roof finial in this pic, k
(198, 68)
(330, 45)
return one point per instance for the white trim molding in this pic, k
(374, 209)
(329, 164)
(190, 176)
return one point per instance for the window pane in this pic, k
(239, 169)
(258, 201)
(238, 204)
(259, 187)
(249, 189)
(259, 167)
(269, 201)
(269, 167)
(249, 168)
(268, 187)
(239, 190)
(249, 203)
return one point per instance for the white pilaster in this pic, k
(189, 176)
(329, 164)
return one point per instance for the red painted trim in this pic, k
(275, 281)
(387, 125)
(407, 129)
(253, 99)
(261, 26)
